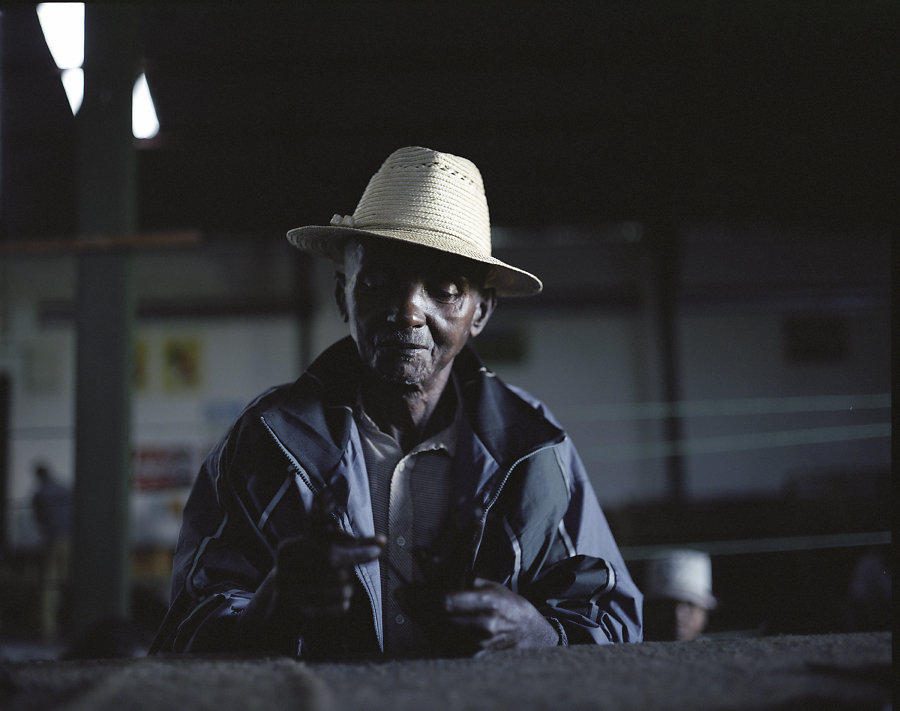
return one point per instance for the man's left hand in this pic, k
(498, 618)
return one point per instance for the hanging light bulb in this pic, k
(73, 83)
(144, 123)
(63, 26)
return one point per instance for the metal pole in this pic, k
(5, 390)
(105, 306)
(668, 255)
(4, 378)
(661, 275)
(304, 298)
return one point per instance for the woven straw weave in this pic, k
(432, 199)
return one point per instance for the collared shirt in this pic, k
(410, 500)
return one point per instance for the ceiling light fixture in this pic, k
(63, 26)
(73, 83)
(144, 123)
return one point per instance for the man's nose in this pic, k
(409, 308)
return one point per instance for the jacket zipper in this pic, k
(290, 457)
(308, 481)
(496, 496)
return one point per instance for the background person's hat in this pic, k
(680, 575)
(426, 198)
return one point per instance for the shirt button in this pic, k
(401, 541)
(399, 619)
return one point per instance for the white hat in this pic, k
(427, 198)
(680, 575)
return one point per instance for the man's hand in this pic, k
(497, 618)
(316, 576)
(312, 577)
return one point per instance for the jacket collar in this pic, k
(509, 427)
(315, 415)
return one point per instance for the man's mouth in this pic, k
(400, 350)
(400, 344)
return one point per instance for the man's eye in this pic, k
(444, 290)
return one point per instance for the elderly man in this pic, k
(398, 498)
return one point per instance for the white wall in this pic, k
(173, 422)
(238, 359)
(577, 362)
(817, 418)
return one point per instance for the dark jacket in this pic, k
(525, 511)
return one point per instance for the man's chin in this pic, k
(403, 374)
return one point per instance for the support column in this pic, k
(5, 391)
(105, 306)
(661, 297)
(304, 296)
(4, 378)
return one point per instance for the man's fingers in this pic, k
(351, 551)
(347, 555)
(486, 624)
(467, 603)
(483, 599)
(346, 539)
(344, 551)
(314, 576)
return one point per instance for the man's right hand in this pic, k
(312, 577)
(316, 575)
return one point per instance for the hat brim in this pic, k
(329, 241)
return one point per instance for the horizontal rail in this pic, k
(764, 545)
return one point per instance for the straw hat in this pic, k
(680, 575)
(426, 198)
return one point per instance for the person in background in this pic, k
(52, 509)
(869, 594)
(399, 498)
(678, 595)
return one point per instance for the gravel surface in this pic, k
(822, 672)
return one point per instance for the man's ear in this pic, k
(340, 296)
(487, 302)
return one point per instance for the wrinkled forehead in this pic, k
(405, 259)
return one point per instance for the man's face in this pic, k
(410, 309)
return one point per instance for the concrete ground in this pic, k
(821, 672)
